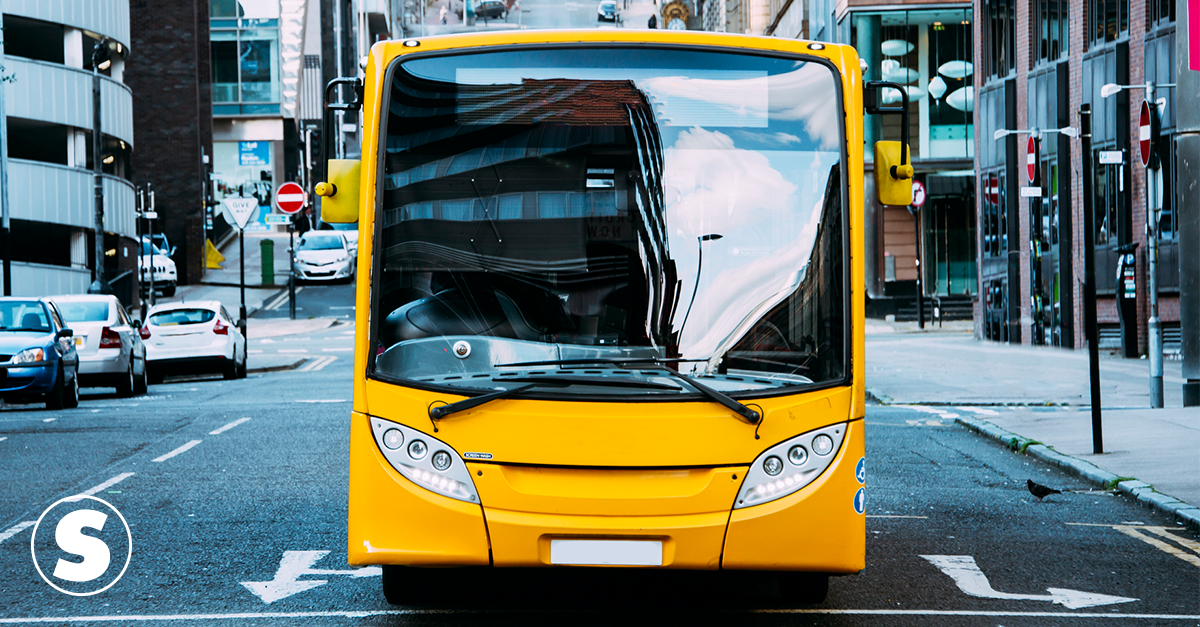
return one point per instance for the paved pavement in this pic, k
(1040, 396)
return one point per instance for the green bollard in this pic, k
(268, 261)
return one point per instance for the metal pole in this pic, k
(5, 246)
(292, 267)
(141, 212)
(242, 270)
(150, 228)
(98, 285)
(916, 214)
(1089, 278)
(1154, 324)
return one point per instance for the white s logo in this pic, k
(70, 538)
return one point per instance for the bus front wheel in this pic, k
(404, 584)
(803, 588)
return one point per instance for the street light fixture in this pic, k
(1154, 323)
(102, 54)
(1069, 131)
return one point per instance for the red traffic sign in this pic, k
(290, 198)
(918, 193)
(1031, 158)
(993, 189)
(1147, 130)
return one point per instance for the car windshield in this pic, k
(148, 249)
(349, 226)
(176, 317)
(28, 315)
(320, 242)
(83, 311)
(618, 204)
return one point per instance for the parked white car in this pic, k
(324, 256)
(350, 230)
(193, 337)
(164, 274)
(110, 348)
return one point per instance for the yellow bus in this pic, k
(610, 306)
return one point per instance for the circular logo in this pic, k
(860, 500)
(77, 542)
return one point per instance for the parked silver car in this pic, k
(324, 256)
(111, 352)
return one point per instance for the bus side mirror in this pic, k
(339, 204)
(893, 174)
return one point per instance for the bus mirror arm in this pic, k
(893, 171)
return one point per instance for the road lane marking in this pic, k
(292, 350)
(896, 516)
(340, 349)
(982, 411)
(254, 351)
(229, 426)
(323, 400)
(296, 564)
(967, 576)
(15, 529)
(178, 451)
(1133, 530)
(130, 618)
(108, 484)
(3, 438)
(1165, 532)
(51, 419)
(281, 299)
(343, 307)
(318, 363)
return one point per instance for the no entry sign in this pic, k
(1147, 131)
(290, 198)
(993, 189)
(1031, 158)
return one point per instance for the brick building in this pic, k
(1038, 63)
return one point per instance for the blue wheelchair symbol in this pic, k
(860, 500)
(860, 471)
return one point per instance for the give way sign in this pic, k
(290, 198)
(239, 210)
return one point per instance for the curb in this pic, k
(1144, 493)
(291, 366)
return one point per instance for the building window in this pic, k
(1159, 12)
(995, 220)
(1108, 20)
(1167, 228)
(245, 68)
(1107, 191)
(1051, 39)
(998, 37)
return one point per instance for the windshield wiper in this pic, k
(552, 381)
(747, 414)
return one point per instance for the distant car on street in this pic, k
(164, 273)
(37, 355)
(350, 230)
(193, 337)
(491, 9)
(110, 348)
(606, 11)
(324, 256)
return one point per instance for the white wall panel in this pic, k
(53, 193)
(105, 17)
(55, 93)
(32, 279)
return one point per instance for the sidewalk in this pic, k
(1038, 400)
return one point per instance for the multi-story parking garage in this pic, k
(48, 102)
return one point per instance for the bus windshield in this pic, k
(619, 210)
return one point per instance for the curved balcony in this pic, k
(55, 93)
(110, 18)
(46, 192)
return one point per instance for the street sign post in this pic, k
(238, 212)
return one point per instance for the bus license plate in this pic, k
(606, 552)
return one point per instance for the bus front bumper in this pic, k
(526, 514)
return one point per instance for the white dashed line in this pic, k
(292, 350)
(324, 400)
(229, 426)
(254, 351)
(3, 438)
(178, 451)
(108, 484)
(343, 349)
(49, 419)
(15, 529)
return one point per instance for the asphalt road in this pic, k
(313, 300)
(218, 479)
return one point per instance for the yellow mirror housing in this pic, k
(893, 181)
(339, 204)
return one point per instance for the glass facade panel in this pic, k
(245, 66)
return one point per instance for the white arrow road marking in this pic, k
(963, 570)
(296, 564)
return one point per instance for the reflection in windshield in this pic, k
(320, 242)
(541, 206)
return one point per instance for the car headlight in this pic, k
(444, 472)
(29, 356)
(787, 467)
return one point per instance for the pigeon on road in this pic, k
(1040, 491)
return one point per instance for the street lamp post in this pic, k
(101, 60)
(1154, 324)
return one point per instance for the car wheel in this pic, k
(71, 400)
(142, 383)
(56, 395)
(125, 387)
(169, 291)
(803, 588)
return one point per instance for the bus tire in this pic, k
(404, 585)
(803, 588)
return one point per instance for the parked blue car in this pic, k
(37, 354)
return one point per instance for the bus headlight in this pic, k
(443, 473)
(770, 478)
